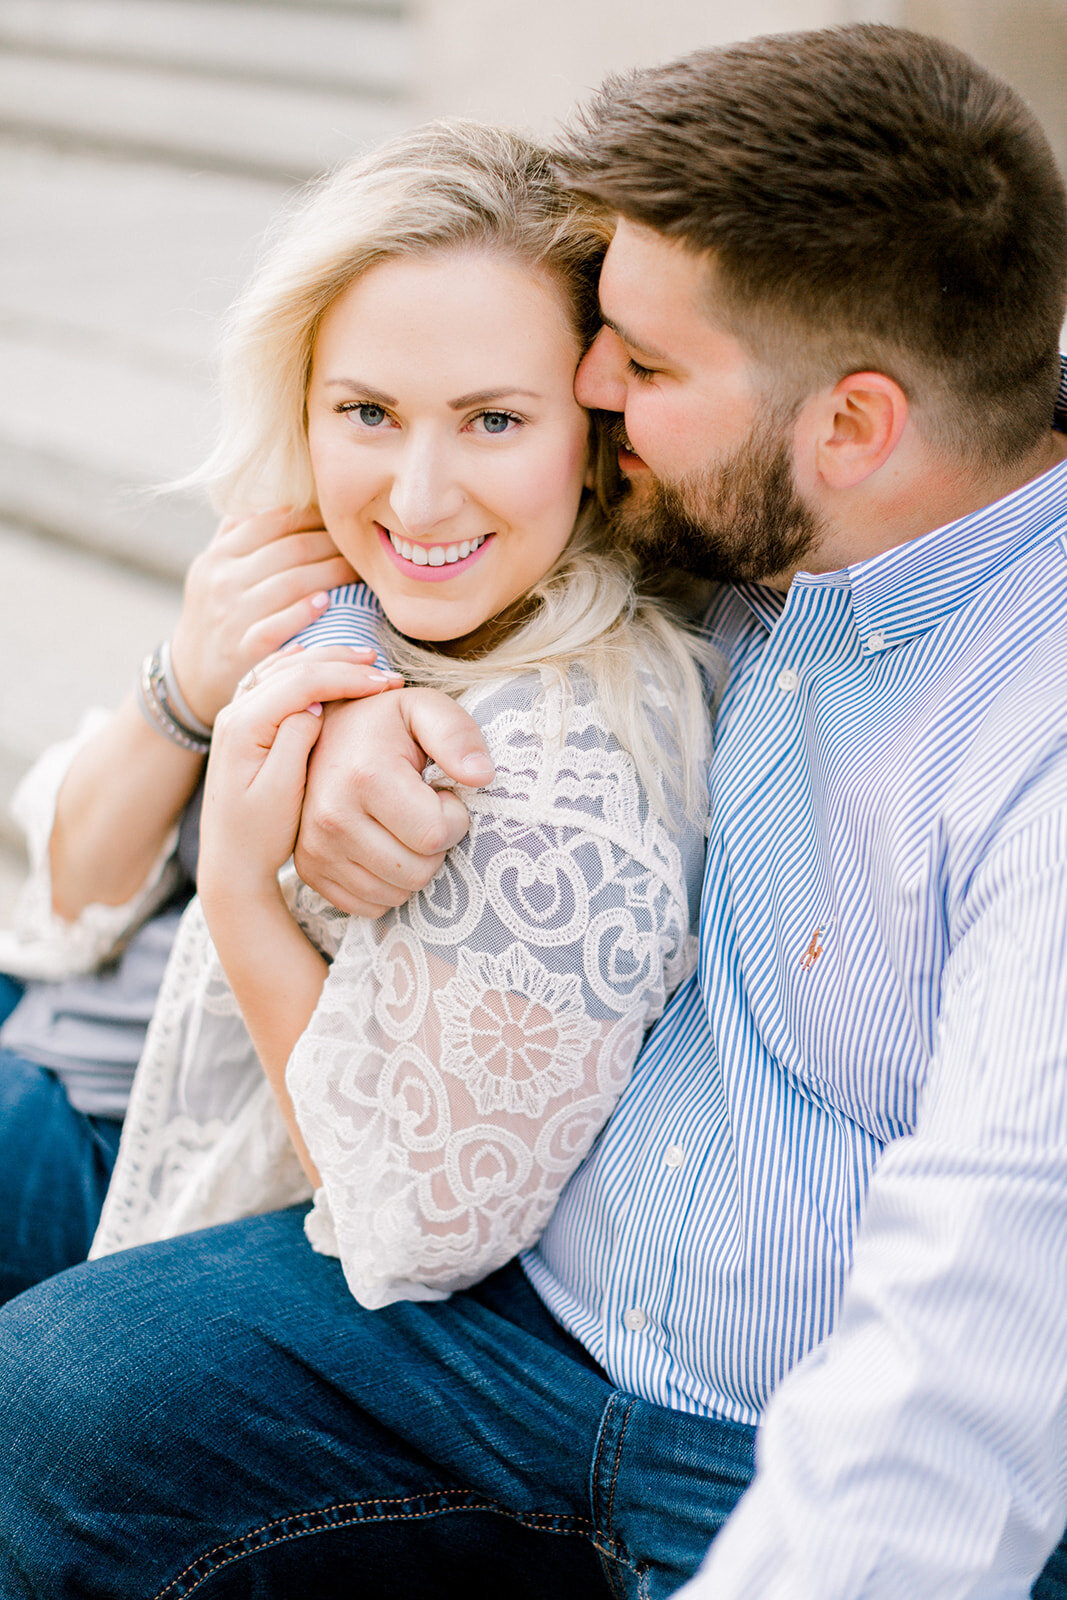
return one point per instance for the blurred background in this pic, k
(145, 144)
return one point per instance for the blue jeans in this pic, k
(216, 1414)
(55, 1164)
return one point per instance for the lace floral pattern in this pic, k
(515, 1034)
(466, 1049)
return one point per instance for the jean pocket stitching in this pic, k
(543, 1521)
(612, 1551)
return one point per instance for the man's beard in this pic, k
(741, 521)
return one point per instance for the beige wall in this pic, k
(527, 67)
(1024, 41)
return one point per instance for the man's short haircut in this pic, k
(870, 199)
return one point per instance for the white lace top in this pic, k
(466, 1049)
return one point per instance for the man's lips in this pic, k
(629, 460)
(436, 569)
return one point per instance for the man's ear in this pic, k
(853, 429)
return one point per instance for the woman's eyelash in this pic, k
(353, 407)
(642, 374)
(350, 407)
(508, 416)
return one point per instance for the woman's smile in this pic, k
(433, 563)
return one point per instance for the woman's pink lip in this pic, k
(629, 462)
(431, 574)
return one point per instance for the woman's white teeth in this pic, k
(435, 555)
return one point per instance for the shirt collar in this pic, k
(909, 589)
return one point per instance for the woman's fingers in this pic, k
(262, 579)
(287, 602)
(258, 529)
(282, 661)
(290, 683)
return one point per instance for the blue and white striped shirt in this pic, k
(868, 1072)
(352, 618)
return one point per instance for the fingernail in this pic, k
(479, 769)
(321, 600)
(315, 708)
(362, 650)
(385, 677)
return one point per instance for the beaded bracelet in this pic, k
(156, 710)
(175, 701)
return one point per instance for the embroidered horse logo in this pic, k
(813, 952)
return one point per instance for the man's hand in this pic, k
(372, 832)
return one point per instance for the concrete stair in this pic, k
(144, 146)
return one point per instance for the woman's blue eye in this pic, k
(370, 415)
(497, 421)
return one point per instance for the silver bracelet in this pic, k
(157, 713)
(175, 701)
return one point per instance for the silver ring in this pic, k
(249, 680)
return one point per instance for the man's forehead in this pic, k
(651, 289)
(630, 337)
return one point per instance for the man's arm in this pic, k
(922, 1450)
(372, 832)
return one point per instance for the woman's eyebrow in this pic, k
(366, 391)
(482, 397)
(634, 343)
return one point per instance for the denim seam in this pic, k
(618, 1463)
(539, 1520)
(610, 1550)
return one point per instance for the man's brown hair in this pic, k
(869, 199)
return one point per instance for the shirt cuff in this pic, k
(353, 617)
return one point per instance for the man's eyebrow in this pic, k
(482, 397)
(632, 341)
(366, 391)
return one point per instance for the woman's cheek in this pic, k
(557, 481)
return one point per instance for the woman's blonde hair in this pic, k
(463, 186)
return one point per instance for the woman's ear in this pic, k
(854, 428)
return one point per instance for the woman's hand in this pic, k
(257, 770)
(260, 581)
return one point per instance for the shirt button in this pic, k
(876, 640)
(787, 681)
(674, 1155)
(634, 1319)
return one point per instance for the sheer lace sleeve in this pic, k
(40, 944)
(468, 1048)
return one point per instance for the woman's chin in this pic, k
(425, 624)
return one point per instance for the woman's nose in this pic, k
(426, 490)
(598, 383)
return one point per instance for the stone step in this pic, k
(349, 46)
(73, 630)
(143, 258)
(220, 123)
(111, 291)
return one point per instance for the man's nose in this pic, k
(598, 383)
(426, 490)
